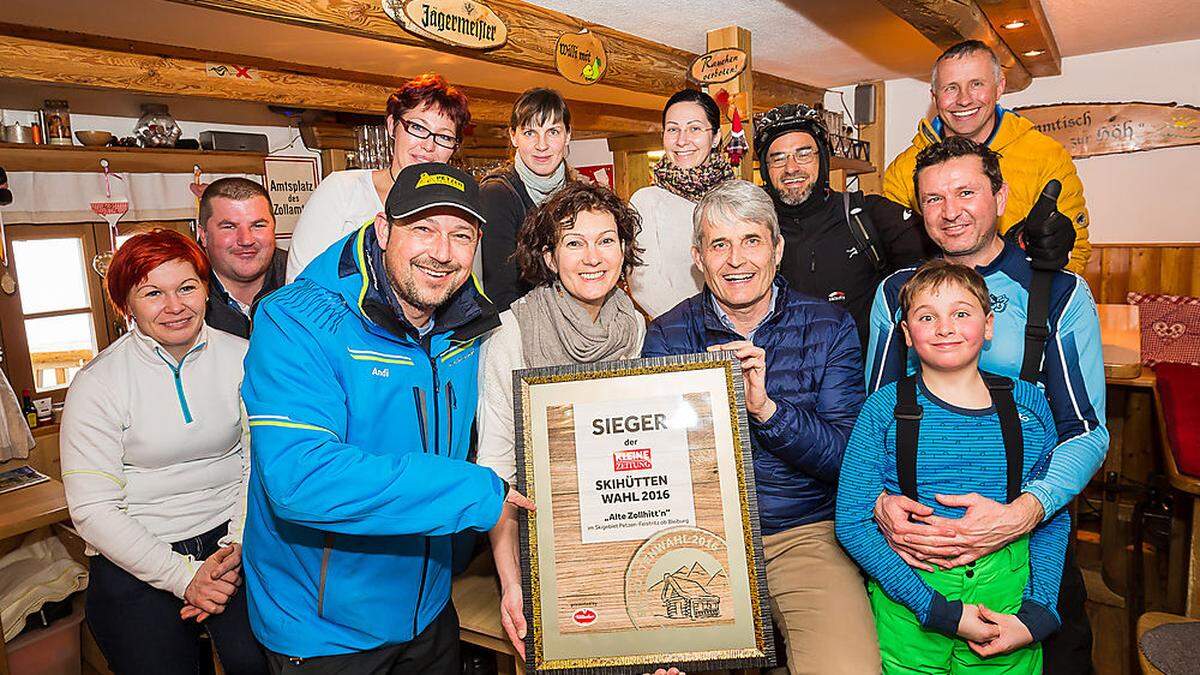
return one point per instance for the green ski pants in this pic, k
(996, 581)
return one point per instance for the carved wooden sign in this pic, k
(462, 23)
(1091, 129)
(717, 66)
(580, 57)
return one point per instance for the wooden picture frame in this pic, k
(645, 549)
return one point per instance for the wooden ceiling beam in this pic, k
(634, 63)
(351, 91)
(947, 22)
(1025, 41)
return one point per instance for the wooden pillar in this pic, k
(631, 162)
(740, 89)
(872, 183)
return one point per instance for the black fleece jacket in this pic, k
(821, 257)
(505, 204)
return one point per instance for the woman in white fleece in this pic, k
(154, 460)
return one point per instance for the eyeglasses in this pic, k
(806, 155)
(419, 131)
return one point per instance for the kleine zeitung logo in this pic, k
(634, 459)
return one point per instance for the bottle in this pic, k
(28, 409)
(36, 130)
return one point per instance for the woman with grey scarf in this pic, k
(539, 129)
(573, 250)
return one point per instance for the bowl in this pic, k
(93, 138)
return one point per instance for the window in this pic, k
(59, 318)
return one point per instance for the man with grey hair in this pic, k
(802, 368)
(965, 85)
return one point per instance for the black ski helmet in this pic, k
(785, 119)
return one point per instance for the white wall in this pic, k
(589, 152)
(1140, 197)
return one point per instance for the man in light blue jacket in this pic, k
(361, 386)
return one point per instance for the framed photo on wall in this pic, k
(645, 548)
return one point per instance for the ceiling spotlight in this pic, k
(1013, 25)
(1034, 52)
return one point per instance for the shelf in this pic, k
(27, 157)
(852, 167)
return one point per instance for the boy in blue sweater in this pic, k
(951, 429)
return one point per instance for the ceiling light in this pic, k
(1013, 25)
(1034, 52)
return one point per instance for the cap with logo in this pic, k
(432, 184)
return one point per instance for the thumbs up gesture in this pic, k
(1047, 234)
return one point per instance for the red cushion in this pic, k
(1179, 392)
(1170, 327)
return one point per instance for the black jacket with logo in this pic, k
(821, 257)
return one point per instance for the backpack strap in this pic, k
(862, 230)
(908, 430)
(1001, 389)
(1037, 316)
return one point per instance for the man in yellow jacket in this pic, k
(966, 83)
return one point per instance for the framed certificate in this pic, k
(645, 547)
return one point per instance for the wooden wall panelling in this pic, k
(1143, 270)
(634, 63)
(1117, 269)
(1114, 273)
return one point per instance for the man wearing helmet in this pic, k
(837, 246)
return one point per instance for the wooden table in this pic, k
(476, 594)
(25, 510)
(1130, 413)
(1121, 340)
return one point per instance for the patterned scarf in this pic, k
(692, 183)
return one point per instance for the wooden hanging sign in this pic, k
(717, 66)
(462, 23)
(1091, 129)
(580, 57)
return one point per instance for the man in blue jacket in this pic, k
(962, 193)
(802, 367)
(360, 387)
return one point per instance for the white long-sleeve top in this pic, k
(153, 452)
(341, 204)
(667, 276)
(500, 355)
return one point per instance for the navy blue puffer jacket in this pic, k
(814, 375)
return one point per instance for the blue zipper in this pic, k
(183, 404)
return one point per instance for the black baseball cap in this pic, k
(431, 184)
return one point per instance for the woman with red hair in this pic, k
(425, 119)
(154, 460)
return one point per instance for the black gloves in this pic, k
(1047, 234)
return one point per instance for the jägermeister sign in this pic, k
(462, 23)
